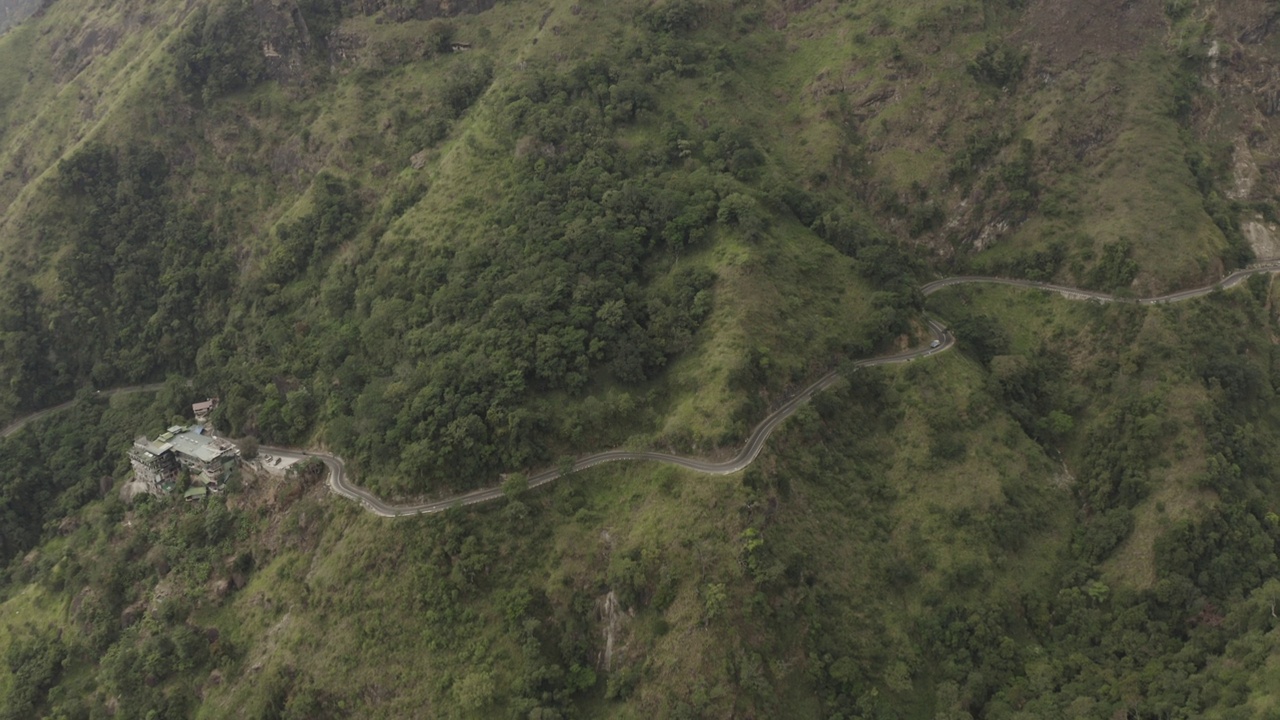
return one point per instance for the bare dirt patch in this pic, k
(133, 489)
(75, 51)
(1244, 171)
(1263, 238)
(1063, 33)
(1247, 78)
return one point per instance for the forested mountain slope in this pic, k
(451, 240)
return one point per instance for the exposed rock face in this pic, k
(613, 627)
(1065, 33)
(422, 9)
(1247, 80)
(286, 41)
(1263, 238)
(131, 490)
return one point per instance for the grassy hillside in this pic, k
(1007, 531)
(428, 259)
(358, 141)
(454, 240)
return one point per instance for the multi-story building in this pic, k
(154, 464)
(210, 460)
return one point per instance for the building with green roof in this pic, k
(210, 460)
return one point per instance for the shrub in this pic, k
(219, 51)
(998, 65)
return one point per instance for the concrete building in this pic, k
(157, 463)
(202, 409)
(154, 464)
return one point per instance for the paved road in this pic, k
(341, 484)
(942, 341)
(22, 422)
(1230, 281)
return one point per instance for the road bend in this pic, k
(339, 482)
(941, 341)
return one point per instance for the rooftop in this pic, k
(201, 407)
(156, 448)
(201, 447)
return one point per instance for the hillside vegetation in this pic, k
(454, 240)
(427, 258)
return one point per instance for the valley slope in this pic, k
(459, 242)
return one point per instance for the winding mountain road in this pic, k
(25, 420)
(1259, 268)
(942, 341)
(339, 483)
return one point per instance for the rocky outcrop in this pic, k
(400, 10)
(286, 40)
(613, 621)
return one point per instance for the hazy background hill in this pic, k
(13, 12)
(454, 240)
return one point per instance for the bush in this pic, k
(741, 211)
(1117, 269)
(673, 16)
(219, 51)
(35, 661)
(998, 65)
(466, 83)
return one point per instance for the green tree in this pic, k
(715, 599)
(514, 486)
(219, 51)
(741, 211)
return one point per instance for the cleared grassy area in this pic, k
(945, 493)
(790, 297)
(29, 607)
(82, 76)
